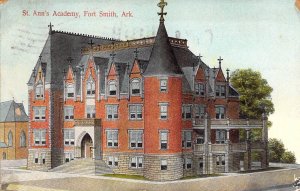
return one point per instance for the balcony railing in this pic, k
(87, 122)
(218, 148)
(231, 123)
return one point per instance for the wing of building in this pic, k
(146, 106)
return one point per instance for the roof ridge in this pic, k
(85, 35)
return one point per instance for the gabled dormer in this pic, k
(112, 80)
(220, 81)
(135, 79)
(90, 79)
(39, 85)
(70, 84)
(200, 82)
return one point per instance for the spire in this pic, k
(162, 5)
(162, 59)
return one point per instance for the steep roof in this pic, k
(162, 60)
(10, 111)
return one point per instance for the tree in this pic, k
(276, 150)
(255, 93)
(288, 157)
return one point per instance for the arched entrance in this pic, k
(87, 146)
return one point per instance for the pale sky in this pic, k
(258, 34)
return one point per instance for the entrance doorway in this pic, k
(87, 146)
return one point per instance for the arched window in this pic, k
(112, 88)
(90, 87)
(23, 139)
(10, 139)
(135, 87)
(39, 91)
(70, 91)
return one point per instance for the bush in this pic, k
(288, 157)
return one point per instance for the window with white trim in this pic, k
(135, 112)
(187, 139)
(69, 156)
(199, 111)
(112, 161)
(112, 88)
(163, 164)
(36, 157)
(90, 87)
(220, 160)
(135, 87)
(220, 112)
(186, 111)
(187, 163)
(220, 136)
(163, 110)
(112, 138)
(69, 113)
(136, 162)
(136, 139)
(112, 111)
(70, 91)
(43, 158)
(220, 90)
(10, 139)
(39, 113)
(39, 91)
(69, 137)
(199, 89)
(23, 139)
(39, 136)
(90, 111)
(163, 85)
(163, 139)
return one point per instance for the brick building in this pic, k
(146, 106)
(13, 131)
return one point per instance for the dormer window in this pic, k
(135, 87)
(199, 89)
(70, 91)
(90, 87)
(220, 91)
(39, 91)
(112, 88)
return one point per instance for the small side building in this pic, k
(13, 131)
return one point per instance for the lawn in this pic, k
(135, 177)
(201, 176)
(261, 170)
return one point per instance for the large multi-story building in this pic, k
(146, 106)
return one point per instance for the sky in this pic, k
(258, 34)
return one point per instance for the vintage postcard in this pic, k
(149, 95)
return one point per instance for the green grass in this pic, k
(261, 170)
(200, 176)
(23, 167)
(135, 177)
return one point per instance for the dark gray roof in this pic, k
(162, 60)
(10, 111)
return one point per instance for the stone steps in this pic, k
(84, 167)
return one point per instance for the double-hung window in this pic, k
(136, 162)
(163, 140)
(39, 136)
(187, 163)
(135, 112)
(70, 91)
(163, 85)
(163, 110)
(39, 113)
(90, 111)
(69, 136)
(69, 157)
(112, 111)
(220, 136)
(90, 87)
(112, 161)
(186, 111)
(135, 87)
(112, 88)
(69, 113)
(220, 90)
(199, 111)
(220, 160)
(199, 89)
(112, 138)
(39, 91)
(163, 164)
(136, 139)
(220, 112)
(187, 139)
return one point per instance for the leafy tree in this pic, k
(255, 93)
(276, 150)
(288, 157)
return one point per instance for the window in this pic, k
(10, 139)
(70, 91)
(220, 136)
(23, 139)
(163, 111)
(200, 140)
(220, 112)
(186, 111)
(44, 158)
(186, 139)
(39, 91)
(136, 162)
(135, 87)
(220, 160)
(39, 113)
(113, 161)
(112, 138)
(69, 157)
(112, 111)
(112, 88)
(135, 112)
(90, 111)
(163, 85)
(4, 155)
(187, 163)
(39, 136)
(90, 87)
(220, 91)
(69, 113)
(136, 138)
(163, 164)
(199, 89)
(163, 140)
(199, 111)
(69, 136)
(36, 158)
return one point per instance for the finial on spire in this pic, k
(50, 28)
(199, 57)
(162, 5)
(220, 61)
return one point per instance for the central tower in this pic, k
(163, 97)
